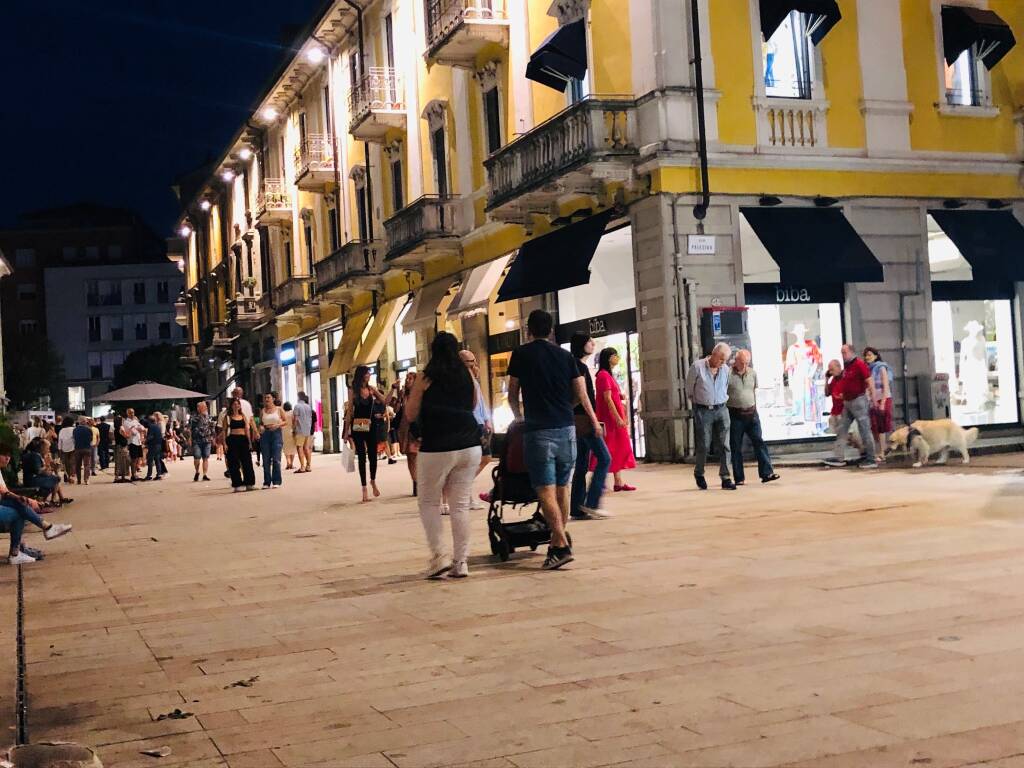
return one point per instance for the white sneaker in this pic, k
(274, 487)
(460, 570)
(56, 530)
(439, 566)
(237, 490)
(596, 514)
(20, 559)
(476, 504)
(445, 510)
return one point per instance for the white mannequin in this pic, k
(974, 367)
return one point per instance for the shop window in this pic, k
(116, 328)
(437, 141)
(788, 59)
(973, 345)
(76, 398)
(141, 330)
(791, 346)
(965, 80)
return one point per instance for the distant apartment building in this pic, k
(96, 282)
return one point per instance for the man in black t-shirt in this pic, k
(104, 444)
(551, 384)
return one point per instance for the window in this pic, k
(788, 59)
(302, 131)
(492, 119)
(965, 80)
(25, 257)
(27, 327)
(332, 225)
(94, 329)
(95, 365)
(437, 141)
(70, 252)
(327, 109)
(307, 234)
(163, 293)
(26, 291)
(361, 213)
(116, 328)
(389, 40)
(164, 330)
(578, 89)
(141, 331)
(353, 69)
(76, 398)
(92, 252)
(140, 293)
(397, 184)
(114, 252)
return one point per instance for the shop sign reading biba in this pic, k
(787, 294)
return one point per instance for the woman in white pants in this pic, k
(442, 401)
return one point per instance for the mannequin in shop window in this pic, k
(973, 373)
(803, 366)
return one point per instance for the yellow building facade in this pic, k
(418, 165)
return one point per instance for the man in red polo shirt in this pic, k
(857, 390)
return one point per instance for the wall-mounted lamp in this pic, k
(245, 153)
(824, 202)
(995, 205)
(269, 114)
(953, 204)
(769, 200)
(185, 230)
(205, 205)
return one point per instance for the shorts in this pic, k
(301, 440)
(135, 451)
(550, 456)
(200, 451)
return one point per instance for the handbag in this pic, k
(360, 425)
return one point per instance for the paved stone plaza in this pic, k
(836, 618)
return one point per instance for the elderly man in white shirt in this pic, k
(239, 393)
(707, 386)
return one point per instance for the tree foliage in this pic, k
(33, 369)
(160, 363)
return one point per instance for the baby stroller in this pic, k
(512, 489)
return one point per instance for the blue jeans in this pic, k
(581, 495)
(711, 427)
(750, 426)
(13, 516)
(550, 456)
(271, 443)
(154, 459)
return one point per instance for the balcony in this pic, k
(189, 354)
(314, 162)
(457, 30)
(355, 263)
(215, 337)
(244, 313)
(273, 202)
(377, 104)
(430, 226)
(181, 312)
(791, 124)
(291, 295)
(575, 151)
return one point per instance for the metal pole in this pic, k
(701, 209)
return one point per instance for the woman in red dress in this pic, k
(611, 411)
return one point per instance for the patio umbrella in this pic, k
(148, 390)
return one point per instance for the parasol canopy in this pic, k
(149, 390)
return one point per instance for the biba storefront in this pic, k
(796, 264)
(975, 257)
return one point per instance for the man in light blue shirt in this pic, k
(303, 429)
(707, 386)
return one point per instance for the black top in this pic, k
(362, 407)
(104, 429)
(237, 423)
(588, 380)
(446, 416)
(31, 465)
(546, 374)
(119, 439)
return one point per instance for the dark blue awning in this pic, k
(824, 14)
(555, 261)
(814, 245)
(561, 57)
(991, 241)
(964, 27)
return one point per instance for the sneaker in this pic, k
(869, 465)
(624, 487)
(728, 485)
(195, 478)
(445, 509)
(557, 557)
(595, 514)
(56, 530)
(20, 559)
(266, 487)
(274, 487)
(834, 463)
(237, 490)
(439, 565)
(250, 487)
(460, 570)
(392, 461)
(701, 482)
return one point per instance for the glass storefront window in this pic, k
(501, 415)
(405, 341)
(788, 59)
(974, 346)
(791, 345)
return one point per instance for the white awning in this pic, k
(476, 289)
(423, 312)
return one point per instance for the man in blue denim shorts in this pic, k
(551, 385)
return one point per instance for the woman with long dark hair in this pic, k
(360, 429)
(586, 502)
(611, 411)
(442, 402)
(408, 435)
(881, 409)
(241, 433)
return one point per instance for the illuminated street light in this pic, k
(245, 153)
(185, 230)
(205, 205)
(315, 55)
(228, 175)
(269, 114)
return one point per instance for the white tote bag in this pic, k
(348, 457)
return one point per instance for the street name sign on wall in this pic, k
(700, 245)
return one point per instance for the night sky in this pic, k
(109, 100)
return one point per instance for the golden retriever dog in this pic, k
(923, 438)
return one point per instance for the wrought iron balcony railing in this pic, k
(430, 217)
(315, 154)
(595, 129)
(444, 17)
(382, 89)
(273, 199)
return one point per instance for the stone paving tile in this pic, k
(759, 628)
